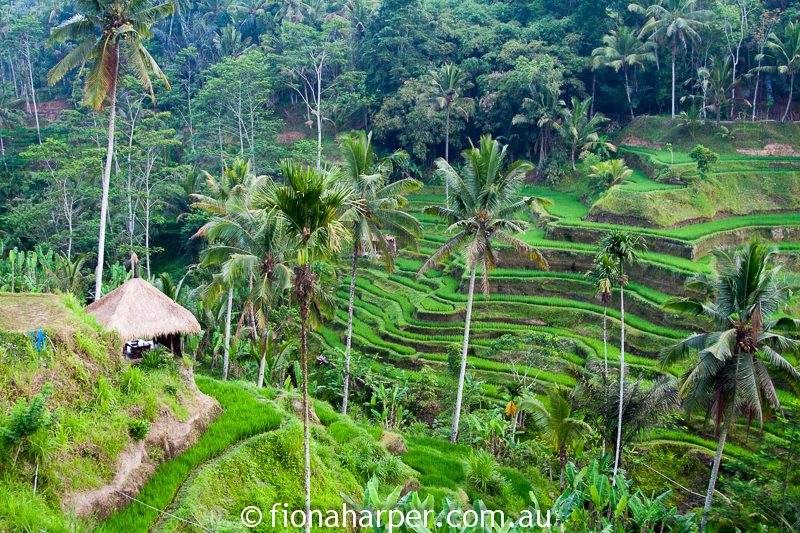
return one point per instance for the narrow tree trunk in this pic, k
(226, 355)
(594, 84)
(101, 241)
(621, 377)
(319, 121)
(147, 228)
(447, 156)
(346, 391)
(755, 96)
(714, 473)
(33, 92)
(464, 348)
(3, 151)
(605, 338)
(562, 458)
(789, 101)
(304, 303)
(628, 91)
(262, 365)
(674, 53)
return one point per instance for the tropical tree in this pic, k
(250, 245)
(448, 82)
(235, 182)
(107, 33)
(606, 174)
(622, 50)
(785, 51)
(484, 200)
(602, 276)
(674, 22)
(378, 215)
(577, 126)
(9, 118)
(542, 110)
(624, 248)
(720, 83)
(736, 361)
(314, 209)
(554, 418)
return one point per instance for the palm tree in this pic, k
(250, 244)
(577, 126)
(108, 32)
(675, 22)
(379, 210)
(622, 49)
(542, 109)
(719, 81)
(447, 83)
(731, 375)
(785, 50)
(314, 210)
(236, 180)
(554, 419)
(484, 199)
(624, 248)
(602, 276)
(609, 173)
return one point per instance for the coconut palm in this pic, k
(577, 126)
(107, 33)
(674, 22)
(250, 245)
(733, 372)
(541, 110)
(622, 50)
(235, 182)
(448, 82)
(609, 173)
(785, 51)
(719, 82)
(314, 209)
(554, 418)
(485, 197)
(602, 276)
(379, 211)
(624, 248)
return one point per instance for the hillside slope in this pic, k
(80, 424)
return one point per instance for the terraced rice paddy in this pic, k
(409, 320)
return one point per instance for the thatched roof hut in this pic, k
(138, 310)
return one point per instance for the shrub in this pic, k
(156, 358)
(483, 473)
(138, 428)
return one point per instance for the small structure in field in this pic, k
(137, 310)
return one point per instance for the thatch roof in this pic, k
(138, 310)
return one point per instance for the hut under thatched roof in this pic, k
(138, 310)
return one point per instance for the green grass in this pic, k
(243, 416)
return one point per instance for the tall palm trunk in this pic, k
(346, 391)
(628, 91)
(226, 355)
(714, 473)
(674, 53)
(464, 348)
(262, 365)
(101, 240)
(447, 155)
(621, 373)
(789, 101)
(303, 296)
(562, 458)
(3, 151)
(605, 338)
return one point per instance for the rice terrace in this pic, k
(400, 265)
